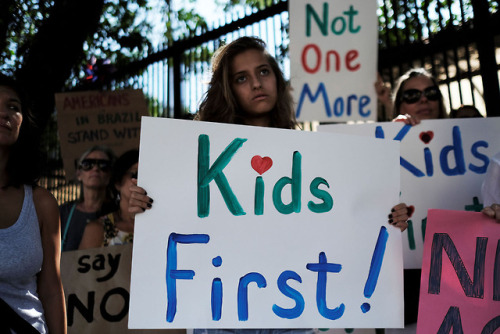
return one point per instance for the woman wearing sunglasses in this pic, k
(117, 227)
(96, 196)
(417, 98)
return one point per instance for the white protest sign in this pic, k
(265, 228)
(443, 164)
(333, 59)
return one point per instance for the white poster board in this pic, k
(319, 206)
(333, 59)
(443, 166)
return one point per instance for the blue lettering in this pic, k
(291, 293)
(307, 91)
(243, 292)
(474, 150)
(172, 274)
(458, 153)
(322, 267)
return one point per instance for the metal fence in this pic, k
(458, 41)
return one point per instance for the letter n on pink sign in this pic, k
(460, 283)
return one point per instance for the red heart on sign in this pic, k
(261, 164)
(426, 137)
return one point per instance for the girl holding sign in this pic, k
(31, 293)
(248, 87)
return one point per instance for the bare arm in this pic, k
(384, 95)
(93, 235)
(50, 287)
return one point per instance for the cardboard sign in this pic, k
(90, 118)
(460, 287)
(443, 164)
(333, 59)
(96, 286)
(265, 228)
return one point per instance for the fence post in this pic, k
(487, 62)
(177, 85)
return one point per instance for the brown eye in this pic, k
(240, 79)
(14, 107)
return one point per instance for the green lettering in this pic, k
(323, 26)
(296, 183)
(207, 174)
(321, 194)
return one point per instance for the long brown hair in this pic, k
(413, 73)
(220, 104)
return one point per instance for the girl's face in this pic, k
(97, 171)
(11, 116)
(124, 186)
(254, 85)
(425, 102)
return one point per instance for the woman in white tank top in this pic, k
(30, 282)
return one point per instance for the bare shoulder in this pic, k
(45, 205)
(43, 198)
(93, 235)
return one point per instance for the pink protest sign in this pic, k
(460, 284)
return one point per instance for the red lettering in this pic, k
(318, 58)
(337, 60)
(349, 58)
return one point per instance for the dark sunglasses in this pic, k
(411, 96)
(88, 164)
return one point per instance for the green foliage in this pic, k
(408, 21)
(19, 21)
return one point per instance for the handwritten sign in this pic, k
(333, 59)
(90, 118)
(96, 286)
(265, 228)
(460, 287)
(443, 164)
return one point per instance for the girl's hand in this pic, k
(139, 200)
(399, 216)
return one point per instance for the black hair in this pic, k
(24, 165)
(122, 165)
